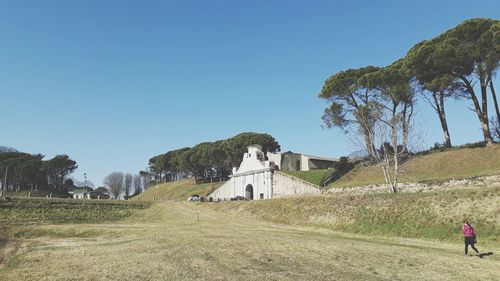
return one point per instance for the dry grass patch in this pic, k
(433, 215)
(175, 246)
(439, 166)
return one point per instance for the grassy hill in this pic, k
(434, 215)
(439, 166)
(177, 190)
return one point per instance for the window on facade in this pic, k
(262, 196)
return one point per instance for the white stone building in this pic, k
(80, 194)
(290, 161)
(257, 179)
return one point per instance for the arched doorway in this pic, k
(249, 192)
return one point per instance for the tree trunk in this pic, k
(482, 113)
(394, 142)
(492, 90)
(439, 106)
(394, 139)
(405, 125)
(368, 142)
(4, 185)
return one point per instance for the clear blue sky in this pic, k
(113, 83)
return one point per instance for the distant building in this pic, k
(83, 193)
(79, 193)
(258, 178)
(290, 161)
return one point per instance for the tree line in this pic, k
(207, 160)
(377, 103)
(24, 171)
(124, 184)
(454, 64)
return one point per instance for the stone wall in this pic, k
(275, 158)
(286, 185)
(291, 162)
(317, 164)
(421, 187)
(283, 185)
(223, 192)
(260, 183)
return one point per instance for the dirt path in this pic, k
(167, 242)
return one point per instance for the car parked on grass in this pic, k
(194, 198)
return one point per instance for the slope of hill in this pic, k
(439, 166)
(177, 190)
(434, 215)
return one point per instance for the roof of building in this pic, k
(310, 156)
(321, 158)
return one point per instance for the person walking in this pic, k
(469, 237)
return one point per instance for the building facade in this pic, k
(258, 178)
(290, 161)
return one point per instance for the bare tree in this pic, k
(495, 128)
(146, 178)
(391, 116)
(128, 185)
(85, 183)
(114, 183)
(137, 184)
(393, 137)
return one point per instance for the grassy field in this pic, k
(404, 236)
(18, 216)
(435, 167)
(166, 242)
(41, 210)
(177, 190)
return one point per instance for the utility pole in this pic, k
(84, 182)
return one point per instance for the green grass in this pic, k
(177, 190)
(434, 215)
(435, 167)
(313, 176)
(42, 210)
